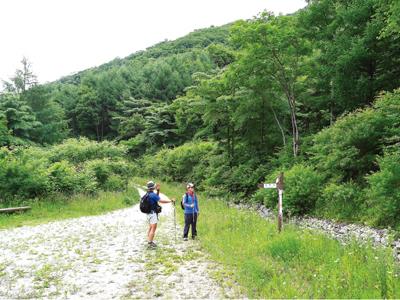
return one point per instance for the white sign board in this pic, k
(269, 185)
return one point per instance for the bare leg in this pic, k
(152, 232)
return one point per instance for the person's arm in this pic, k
(186, 201)
(158, 189)
(166, 200)
(158, 194)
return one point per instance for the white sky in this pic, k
(62, 37)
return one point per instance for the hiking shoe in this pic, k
(185, 239)
(151, 245)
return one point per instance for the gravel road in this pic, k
(106, 257)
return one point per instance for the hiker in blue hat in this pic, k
(191, 206)
(152, 216)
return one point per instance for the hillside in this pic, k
(313, 94)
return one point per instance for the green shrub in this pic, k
(81, 150)
(184, 163)
(384, 191)
(302, 189)
(103, 169)
(135, 146)
(115, 183)
(348, 149)
(63, 177)
(87, 182)
(76, 166)
(340, 201)
(22, 177)
(239, 180)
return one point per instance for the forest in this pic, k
(315, 95)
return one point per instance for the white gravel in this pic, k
(106, 257)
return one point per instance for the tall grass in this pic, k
(63, 207)
(294, 263)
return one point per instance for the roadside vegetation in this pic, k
(60, 207)
(292, 264)
(76, 178)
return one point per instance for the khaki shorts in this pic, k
(152, 218)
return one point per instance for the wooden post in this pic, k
(280, 187)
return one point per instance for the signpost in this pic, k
(279, 185)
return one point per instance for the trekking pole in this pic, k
(194, 197)
(175, 218)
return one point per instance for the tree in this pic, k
(23, 79)
(19, 117)
(280, 53)
(130, 117)
(54, 127)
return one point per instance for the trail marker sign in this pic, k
(279, 185)
(269, 186)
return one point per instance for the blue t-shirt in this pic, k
(154, 198)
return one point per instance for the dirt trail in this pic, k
(106, 257)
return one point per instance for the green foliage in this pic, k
(182, 164)
(76, 166)
(341, 201)
(348, 149)
(66, 179)
(5, 133)
(352, 61)
(110, 174)
(18, 116)
(63, 176)
(53, 126)
(220, 55)
(302, 190)
(233, 182)
(294, 263)
(383, 192)
(80, 150)
(22, 176)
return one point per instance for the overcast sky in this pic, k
(62, 37)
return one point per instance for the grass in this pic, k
(62, 207)
(293, 264)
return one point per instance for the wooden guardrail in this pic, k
(14, 209)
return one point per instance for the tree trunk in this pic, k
(279, 125)
(295, 130)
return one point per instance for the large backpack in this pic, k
(145, 205)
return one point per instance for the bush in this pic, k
(340, 201)
(184, 163)
(22, 177)
(302, 190)
(63, 177)
(80, 150)
(348, 149)
(104, 169)
(384, 191)
(76, 166)
(240, 180)
(115, 183)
